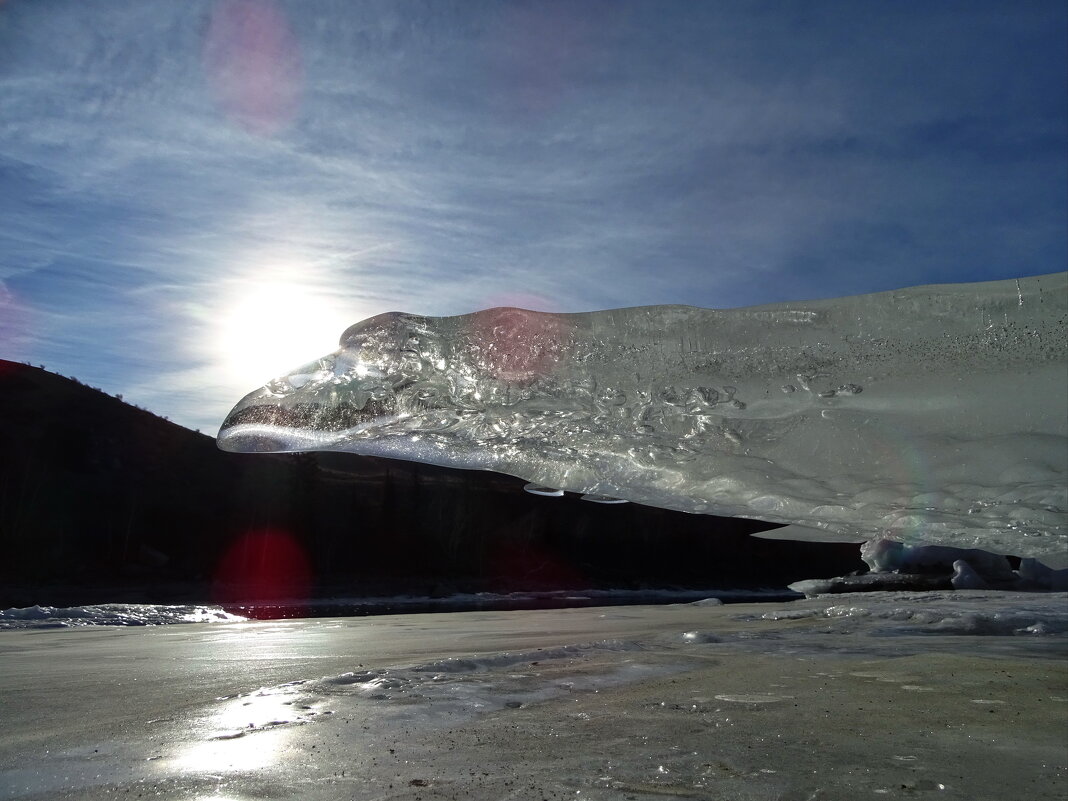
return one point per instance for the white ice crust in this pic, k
(44, 617)
(935, 414)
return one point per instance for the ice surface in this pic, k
(983, 613)
(935, 414)
(880, 695)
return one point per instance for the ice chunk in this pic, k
(1035, 574)
(896, 565)
(872, 582)
(813, 587)
(965, 578)
(883, 555)
(605, 499)
(935, 414)
(548, 492)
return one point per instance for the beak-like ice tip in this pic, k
(235, 440)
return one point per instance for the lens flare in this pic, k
(515, 345)
(266, 324)
(13, 321)
(253, 62)
(265, 573)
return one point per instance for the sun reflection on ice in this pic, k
(247, 732)
(233, 755)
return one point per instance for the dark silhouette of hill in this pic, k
(103, 501)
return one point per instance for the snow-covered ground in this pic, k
(959, 695)
(52, 617)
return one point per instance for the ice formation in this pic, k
(931, 414)
(882, 555)
(898, 566)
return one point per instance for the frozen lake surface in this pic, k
(958, 695)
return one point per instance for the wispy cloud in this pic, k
(163, 162)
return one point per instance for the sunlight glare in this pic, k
(269, 328)
(247, 732)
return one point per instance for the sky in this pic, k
(198, 196)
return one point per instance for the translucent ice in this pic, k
(935, 413)
(882, 555)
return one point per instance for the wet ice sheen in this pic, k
(934, 413)
(829, 698)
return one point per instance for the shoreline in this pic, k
(132, 614)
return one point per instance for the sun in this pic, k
(269, 328)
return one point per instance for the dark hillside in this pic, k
(100, 500)
(93, 489)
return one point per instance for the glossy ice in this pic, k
(958, 695)
(935, 413)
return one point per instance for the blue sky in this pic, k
(199, 195)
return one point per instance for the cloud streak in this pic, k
(167, 160)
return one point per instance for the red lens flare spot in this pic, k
(253, 62)
(14, 323)
(517, 345)
(264, 574)
(529, 566)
